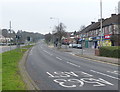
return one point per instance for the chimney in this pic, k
(92, 22)
(100, 20)
(113, 15)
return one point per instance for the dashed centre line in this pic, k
(73, 64)
(47, 52)
(58, 58)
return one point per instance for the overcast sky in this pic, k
(34, 15)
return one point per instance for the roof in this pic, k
(91, 27)
(114, 19)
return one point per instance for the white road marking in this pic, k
(50, 74)
(58, 58)
(47, 52)
(72, 83)
(114, 72)
(31, 52)
(73, 64)
(72, 54)
(105, 74)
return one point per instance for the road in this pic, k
(6, 48)
(54, 70)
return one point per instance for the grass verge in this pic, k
(11, 79)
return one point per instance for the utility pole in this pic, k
(101, 43)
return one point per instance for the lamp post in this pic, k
(58, 23)
(10, 33)
(55, 19)
(101, 22)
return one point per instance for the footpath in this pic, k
(90, 54)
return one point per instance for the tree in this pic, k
(115, 39)
(48, 37)
(5, 33)
(60, 32)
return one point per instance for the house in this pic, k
(92, 35)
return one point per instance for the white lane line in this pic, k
(105, 74)
(31, 52)
(58, 58)
(113, 72)
(47, 52)
(73, 64)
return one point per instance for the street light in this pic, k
(55, 19)
(101, 21)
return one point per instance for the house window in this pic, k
(110, 29)
(116, 29)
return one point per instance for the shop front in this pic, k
(107, 41)
(97, 41)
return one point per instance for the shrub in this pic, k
(110, 51)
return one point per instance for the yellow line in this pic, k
(97, 60)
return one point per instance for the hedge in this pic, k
(110, 51)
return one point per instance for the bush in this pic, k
(110, 51)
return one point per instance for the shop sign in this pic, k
(90, 38)
(107, 36)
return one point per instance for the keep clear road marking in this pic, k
(73, 64)
(58, 58)
(105, 74)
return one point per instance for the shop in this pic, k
(107, 41)
(97, 41)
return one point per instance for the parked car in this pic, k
(70, 45)
(74, 45)
(79, 46)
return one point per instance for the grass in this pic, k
(11, 79)
(28, 46)
(0, 72)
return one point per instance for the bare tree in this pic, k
(48, 37)
(60, 32)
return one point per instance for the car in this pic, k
(79, 46)
(74, 45)
(70, 45)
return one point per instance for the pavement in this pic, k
(53, 71)
(88, 53)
